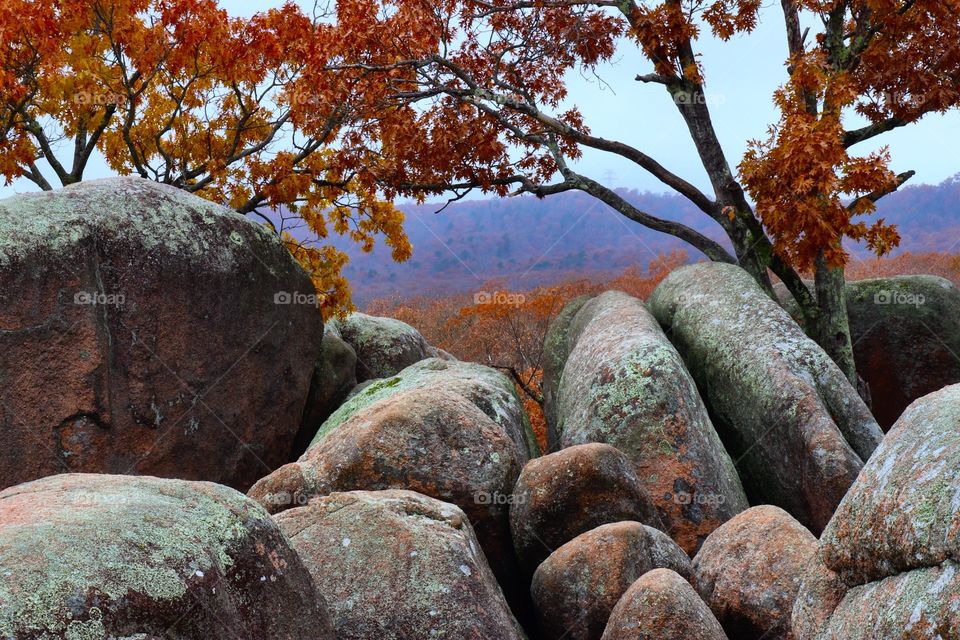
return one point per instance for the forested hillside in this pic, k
(525, 242)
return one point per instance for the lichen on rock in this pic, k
(624, 384)
(83, 555)
(797, 428)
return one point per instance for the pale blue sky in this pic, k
(741, 75)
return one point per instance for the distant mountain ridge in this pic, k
(521, 242)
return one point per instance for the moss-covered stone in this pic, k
(487, 388)
(397, 565)
(384, 346)
(888, 560)
(904, 510)
(88, 556)
(432, 441)
(624, 384)
(785, 411)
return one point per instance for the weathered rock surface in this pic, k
(888, 560)
(396, 565)
(384, 346)
(435, 442)
(556, 350)
(785, 411)
(576, 588)
(572, 491)
(661, 605)
(905, 332)
(130, 313)
(91, 556)
(334, 377)
(749, 571)
(906, 339)
(487, 388)
(624, 384)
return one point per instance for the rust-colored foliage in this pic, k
(506, 329)
(179, 92)
(891, 61)
(938, 264)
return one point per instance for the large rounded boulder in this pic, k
(661, 605)
(906, 339)
(785, 411)
(396, 565)
(491, 391)
(93, 556)
(624, 384)
(435, 442)
(130, 314)
(384, 346)
(561, 495)
(888, 563)
(749, 572)
(578, 585)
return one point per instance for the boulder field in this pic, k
(173, 352)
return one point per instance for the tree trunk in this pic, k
(833, 330)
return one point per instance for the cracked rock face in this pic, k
(88, 557)
(625, 385)
(888, 563)
(397, 565)
(785, 411)
(130, 313)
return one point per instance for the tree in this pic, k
(469, 96)
(179, 92)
